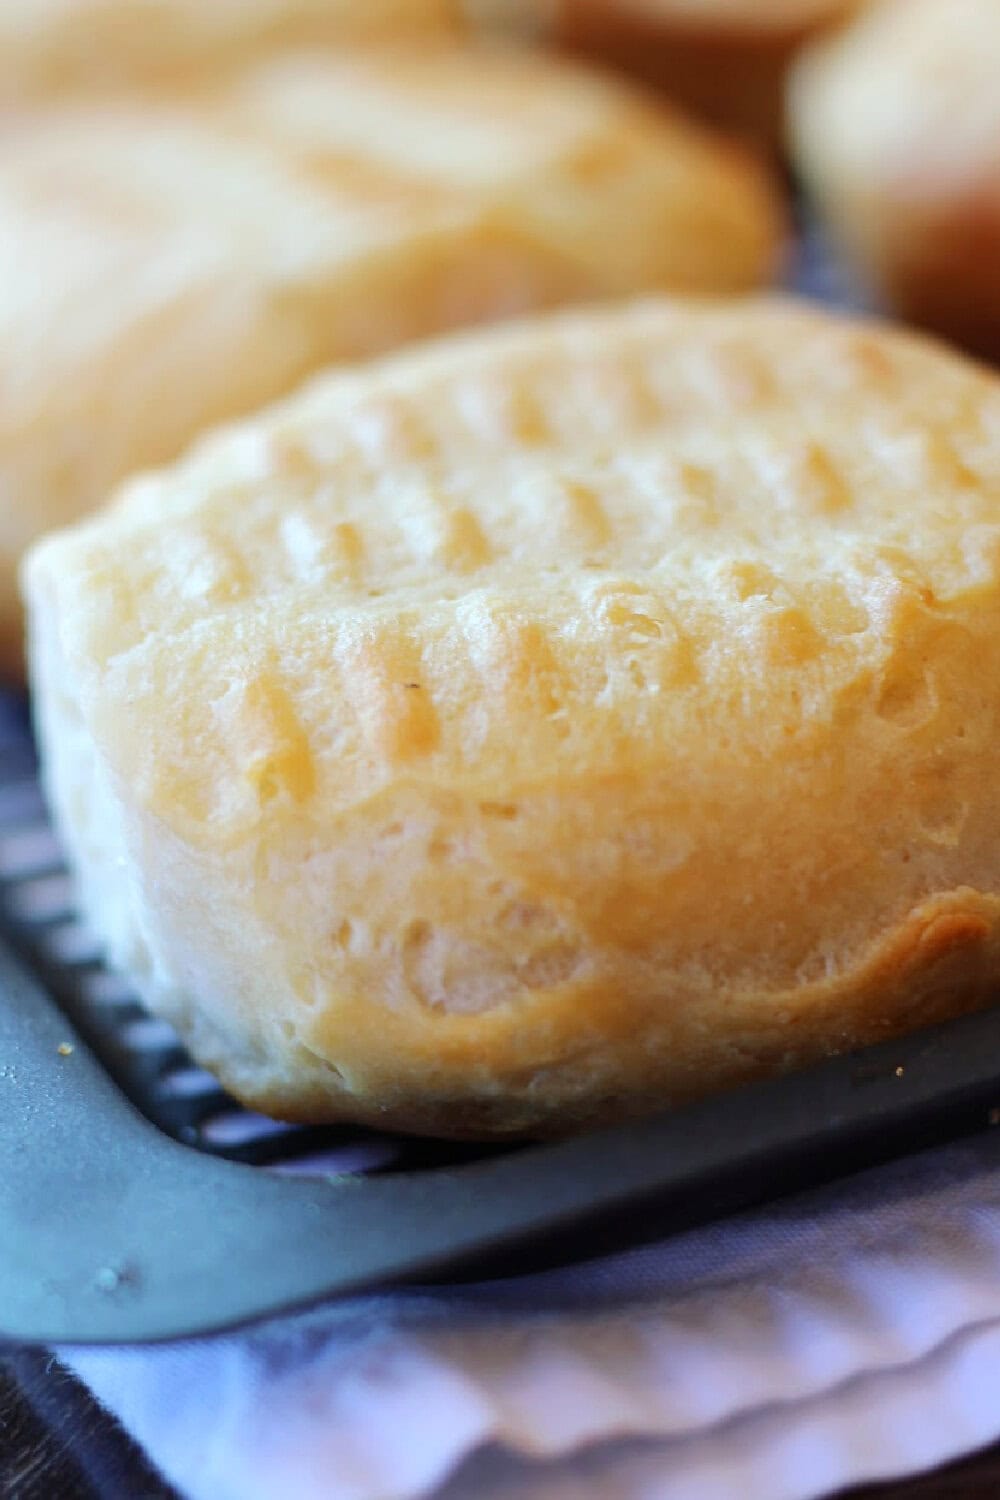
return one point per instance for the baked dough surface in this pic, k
(168, 264)
(895, 124)
(547, 724)
(51, 46)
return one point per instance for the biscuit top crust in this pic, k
(908, 93)
(58, 44)
(684, 539)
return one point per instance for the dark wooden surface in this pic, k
(57, 1444)
(976, 1478)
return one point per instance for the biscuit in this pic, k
(53, 46)
(723, 59)
(548, 724)
(896, 127)
(166, 266)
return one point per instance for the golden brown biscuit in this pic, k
(724, 59)
(542, 726)
(166, 266)
(896, 127)
(53, 45)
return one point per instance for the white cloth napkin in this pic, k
(847, 1334)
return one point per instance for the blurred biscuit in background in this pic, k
(53, 45)
(895, 125)
(723, 59)
(168, 265)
